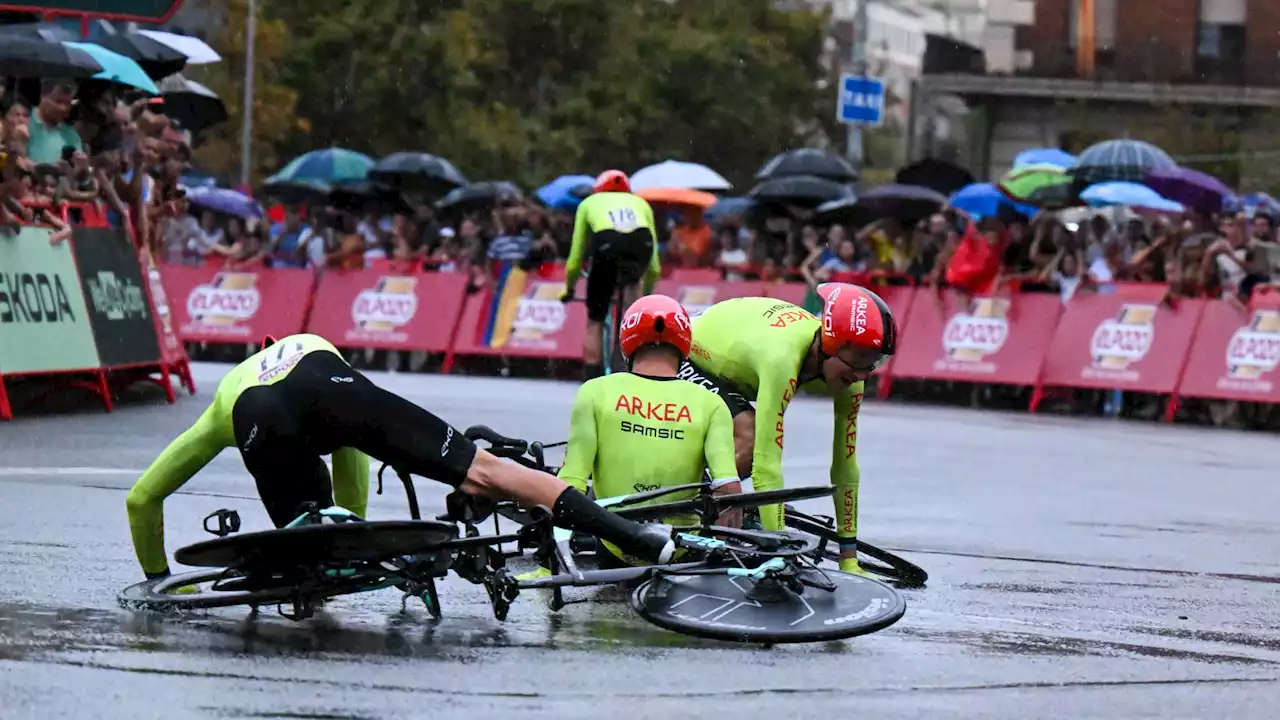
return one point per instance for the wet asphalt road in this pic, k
(1079, 568)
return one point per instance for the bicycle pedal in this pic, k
(228, 522)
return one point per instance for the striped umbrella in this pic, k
(330, 167)
(1120, 160)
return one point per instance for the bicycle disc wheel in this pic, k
(738, 609)
(310, 545)
(742, 500)
(235, 589)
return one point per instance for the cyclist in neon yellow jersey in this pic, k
(644, 429)
(615, 231)
(297, 400)
(764, 350)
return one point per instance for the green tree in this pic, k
(274, 116)
(529, 89)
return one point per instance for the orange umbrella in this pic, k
(678, 196)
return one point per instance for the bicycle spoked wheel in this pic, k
(726, 502)
(217, 587)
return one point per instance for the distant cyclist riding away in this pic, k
(644, 430)
(765, 350)
(615, 231)
(296, 400)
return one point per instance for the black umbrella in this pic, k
(29, 57)
(41, 31)
(1119, 160)
(908, 203)
(193, 105)
(364, 195)
(156, 59)
(802, 190)
(419, 172)
(478, 196)
(1055, 196)
(298, 192)
(938, 175)
(808, 161)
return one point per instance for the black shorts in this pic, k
(737, 402)
(617, 260)
(282, 430)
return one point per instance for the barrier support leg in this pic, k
(6, 412)
(1171, 407)
(884, 384)
(166, 382)
(184, 371)
(1037, 397)
(104, 389)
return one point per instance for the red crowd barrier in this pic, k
(1000, 340)
(388, 310)
(1235, 354)
(238, 306)
(1125, 337)
(1125, 341)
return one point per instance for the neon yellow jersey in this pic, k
(632, 433)
(616, 212)
(759, 345)
(213, 432)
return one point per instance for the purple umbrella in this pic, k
(1198, 191)
(228, 202)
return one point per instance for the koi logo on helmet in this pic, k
(631, 321)
(827, 310)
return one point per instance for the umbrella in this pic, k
(297, 192)
(155, 58)
(802, 190)
(418, 171)
(193, 105)
(478, 196)
(1129, 160)
(676, 174)
(1022, 182)
(1260, 204)
(938, 175)
(1201, 192)
(678, 196)
(984, 200)
(363, 194)
(908, 203)
(565, 192)
(730, 208)
(117, 68)
(1054, 196)
(811, 162)
(328, 167)
(196, 50)
(28, 57)
(40, 31)
(1128, 194)
(1044, 156)
(227, 202)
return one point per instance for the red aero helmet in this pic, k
(613, 181)
(655, 319)
(853, 315)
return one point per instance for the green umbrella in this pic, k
(1021, 183)
(329, 166)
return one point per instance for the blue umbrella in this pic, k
(984, 200)
(330, 167)
(727, 208)
(565, 192)
(1045, 156)
(1127, 193)
(227, 202)
(1258, 204)
(117, 68)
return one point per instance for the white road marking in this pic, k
(19, 471)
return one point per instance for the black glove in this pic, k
(567, 296)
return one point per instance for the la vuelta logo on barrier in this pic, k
(1120, 342)
(385, 308)
(1254, 351)
(969, 338)
(226, 302)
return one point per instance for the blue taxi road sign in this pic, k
(861, 100)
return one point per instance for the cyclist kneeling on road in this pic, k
(644, 429)
(296, 400)
(615, 231)
(765, 349)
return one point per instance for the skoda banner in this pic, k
(123, 329)
(44, 325)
